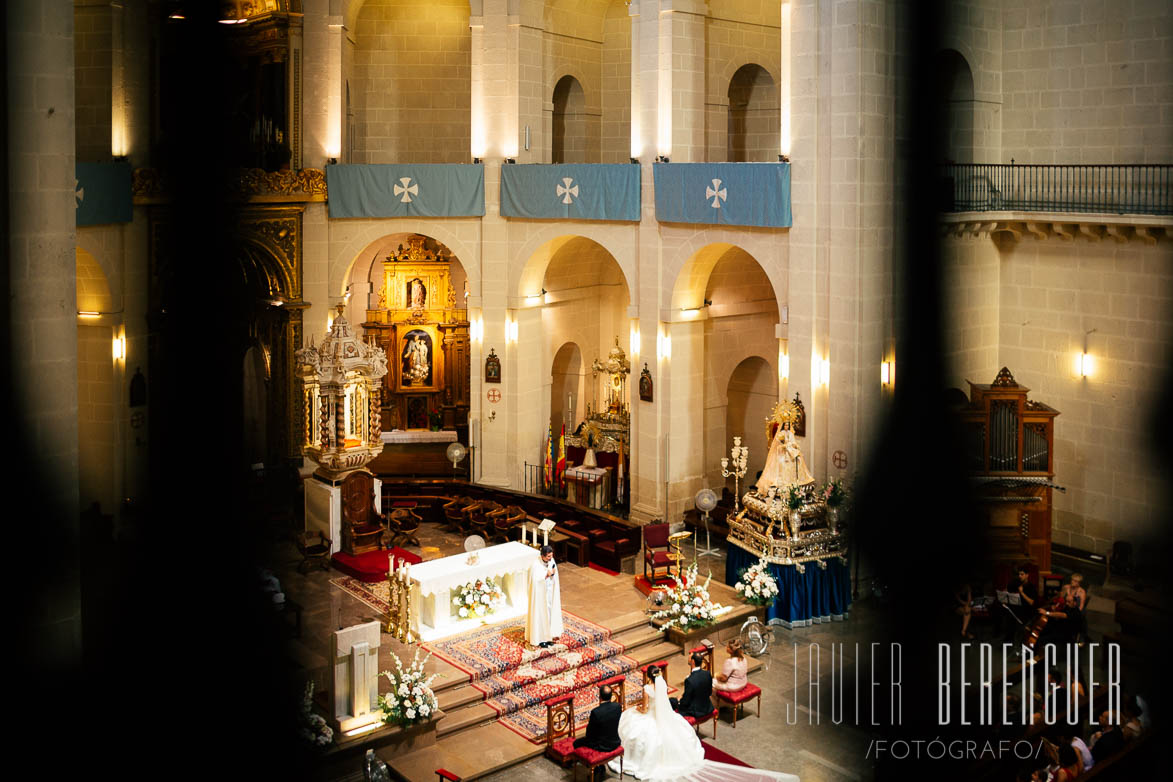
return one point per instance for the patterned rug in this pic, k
(493, 649)
(376, 594)
(536, 692)
(530, 722)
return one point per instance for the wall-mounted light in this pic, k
(1085, 364)
(88, 314)
(331, 161)
(476, 161)
(635, 161)
(511, 160)
(663, 345)
(119, 349)
(662, 159)
(823, 371)
(784, 158)
(886, 373)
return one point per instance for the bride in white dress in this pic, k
(660, 746)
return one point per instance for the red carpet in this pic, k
(645, 586)
(716, 755)
(371, 566)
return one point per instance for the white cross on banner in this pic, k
(406, 189)
(717, 193)
(567, 192)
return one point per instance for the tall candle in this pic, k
(545, 537)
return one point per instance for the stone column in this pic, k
(43, 300)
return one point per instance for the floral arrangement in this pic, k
(435, 420)
(834, 493)
(313, 725)
(410, 698)
(797, 496)
(478, 598)
(756, 585)
(689, 605)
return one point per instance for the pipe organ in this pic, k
(1009, 445)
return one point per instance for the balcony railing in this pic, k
(1100, 189)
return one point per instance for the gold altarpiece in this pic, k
(421, 322)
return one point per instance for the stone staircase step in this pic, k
(638, 636)
(457, 697)
(472, 754)
(465, 717)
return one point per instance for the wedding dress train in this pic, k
(659, 746)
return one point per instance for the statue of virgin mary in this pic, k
(785, 465)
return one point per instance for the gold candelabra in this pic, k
(399, 604)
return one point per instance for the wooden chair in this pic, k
(445, 774)
(592, 759)
(362, 524)
(452, 512)
(560, 729)
(504, 521)
(403, 524)
(656, 551)
(315, 549)
(662, 665)
(736, 698)
(707, 665)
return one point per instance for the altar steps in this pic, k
(479, 750)
(464, 706)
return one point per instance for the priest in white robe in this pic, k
(543, 624)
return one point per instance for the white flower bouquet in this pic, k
(313, 725)
(478, 598)
(410, 698)
(756, 585)
(689, 605)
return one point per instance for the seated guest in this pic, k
(697, 699)
(732, 676)
(1063, 623)
(602, 733)
(1070, 765)
(1130, 724)
(1108, 740)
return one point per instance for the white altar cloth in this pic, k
(431, 610)
(400, 436)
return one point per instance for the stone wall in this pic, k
(410, 87)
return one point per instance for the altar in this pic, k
(434, 581)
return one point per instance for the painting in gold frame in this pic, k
(419, 358)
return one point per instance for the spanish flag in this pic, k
(560, 467)
(548, 471)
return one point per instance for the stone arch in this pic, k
(953, 93)
(567, 376)
(751, 391)
(367, 269)
(719, 87)
(693, 262)
(570, 131)
(752, 115)
(342, 264)
(526, 277)
(93, 286)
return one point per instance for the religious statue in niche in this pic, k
(645, 385)
(492, 367)
(417, 294)
(416, 358)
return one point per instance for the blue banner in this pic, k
(103, 193)
(576, 191)
(723, 193)
(435, 190)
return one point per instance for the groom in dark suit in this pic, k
(602, 733)
(697, 700)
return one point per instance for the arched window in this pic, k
(569, 142)
(753, 116)
(953, 92)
